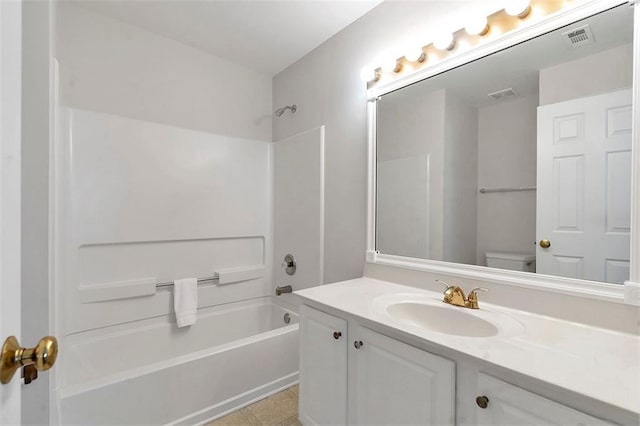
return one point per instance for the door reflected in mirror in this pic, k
(520, 160)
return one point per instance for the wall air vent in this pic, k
(579, 36)
(503, 94)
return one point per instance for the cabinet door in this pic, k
(323, 368)
(394, 383)
(511, 405)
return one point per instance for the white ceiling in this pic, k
(266, 35)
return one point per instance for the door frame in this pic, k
(10, 197)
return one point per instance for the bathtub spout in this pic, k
(283, 289)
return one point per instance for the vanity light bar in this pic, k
(519, 8)
(502, 21)
(445, 41)
(415, 54)
(477, 26)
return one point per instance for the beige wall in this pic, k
(109, 66)
(326, 86)
(460, 180)
(592, 75)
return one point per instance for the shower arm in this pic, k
(281, 111)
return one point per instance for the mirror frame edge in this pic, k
(629, 293)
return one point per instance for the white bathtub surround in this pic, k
(185, 301)
(298, 208)
(234, 355)
(586, 367)
(133, 178)
(120, 230)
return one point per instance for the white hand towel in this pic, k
(185, 301)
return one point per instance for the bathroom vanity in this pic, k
(375, 352)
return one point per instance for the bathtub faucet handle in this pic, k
(289, 264)
(280, 290)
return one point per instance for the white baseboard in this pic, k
(230, 405)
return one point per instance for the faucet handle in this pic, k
(447, 286)
(453, 294)
(472, 298)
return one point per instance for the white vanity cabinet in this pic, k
(323, 368)
(388, 382)
(351, 374)
(384, 369)
(392, 383)
(509, 405)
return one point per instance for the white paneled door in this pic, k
(584, 188)
(10, 110)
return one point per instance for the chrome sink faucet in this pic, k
(454, 295)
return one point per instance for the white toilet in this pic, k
(512, 261)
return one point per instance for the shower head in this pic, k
(281, 111)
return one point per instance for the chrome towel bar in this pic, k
(203, 280)
(507, 189)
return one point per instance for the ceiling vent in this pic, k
(580, 36)
(503, 94)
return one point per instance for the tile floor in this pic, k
(280, 409)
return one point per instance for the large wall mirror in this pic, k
(520, 160)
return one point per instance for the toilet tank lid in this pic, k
(511, 256)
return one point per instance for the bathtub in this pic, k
(155, 373)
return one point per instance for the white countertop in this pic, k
(595, 362)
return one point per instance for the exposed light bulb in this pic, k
(477, 26)
(519, 8)
(368, 73)
(390, 64)
(444, 41)
(414, 53)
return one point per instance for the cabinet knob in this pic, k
(337, 335)
(358, 344)
(482, 401)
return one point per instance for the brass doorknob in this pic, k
(545, 244)
(42, 357)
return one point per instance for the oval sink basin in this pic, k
(442, 319)
(423, 312)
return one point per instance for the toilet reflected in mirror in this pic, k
(512, 261)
